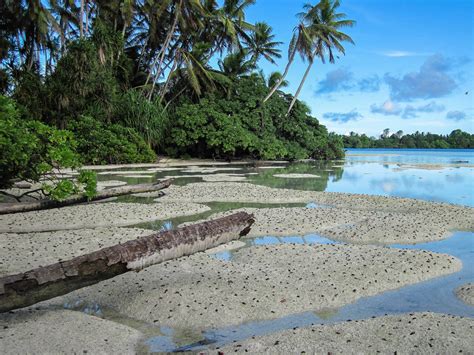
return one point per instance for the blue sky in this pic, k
(411, 66)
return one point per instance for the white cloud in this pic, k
(398, 54)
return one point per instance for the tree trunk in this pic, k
(81, 20)
(6, 208)
(165, 46)
(24, 289)
(278, 83)
(300, 87)
(168, 79)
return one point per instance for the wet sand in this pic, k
(359, 225)
(466, 293)
(63, 331)
(416, 333)
(95, 215)
(263, 282)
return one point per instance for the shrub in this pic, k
(98, 143)
(239, 125)
(30, 149)
(147, 118)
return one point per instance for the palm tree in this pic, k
(323, 24)
(274, 78)
(261, 44)
(301, 43)
(236, 64)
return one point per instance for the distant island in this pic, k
(457, 139)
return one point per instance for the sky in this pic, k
(410, 68)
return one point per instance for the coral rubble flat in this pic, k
(262, 282)
(95, 215)
(416, 333)
(466, 293)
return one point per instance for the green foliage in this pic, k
(456, 139)
(147, 117)
(30, 149)
(81, 84)
(98, 143)
(236, 125)
(88, 179)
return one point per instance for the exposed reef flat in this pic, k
(263, 282)
(95, 215)
(416, 333)
(466, 293)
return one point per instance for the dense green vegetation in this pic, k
(119, 81)
(456, 139)
(30, 149)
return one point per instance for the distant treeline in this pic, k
(456, 139)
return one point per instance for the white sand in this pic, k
(416, 333)
(22, 252)
(62, 331)
(360, 226)
(466, 293)
(96, 215)
(261, 283)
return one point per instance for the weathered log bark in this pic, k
(6, 208)
(25, 289)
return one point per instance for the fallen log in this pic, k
(6, 208)
(24, 289)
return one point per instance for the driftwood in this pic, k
(25, 289)
(6, 208)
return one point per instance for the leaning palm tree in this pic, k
(261, 44)
(323, 24)
(301, 43)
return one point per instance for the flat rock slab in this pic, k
(22, 252)
(357, 225)
(262, 282)
(416, 333)
(466, 293)
(95, 215)
(64, 332)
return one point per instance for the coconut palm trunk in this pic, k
(7, 208)
(45, 282)
(285, 73)
(300, 86)
(161, 56)
(81, 20)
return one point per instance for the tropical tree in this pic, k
(261, 44)
(301, 42)
(274, 78)
(236, 64)
(323, 23)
